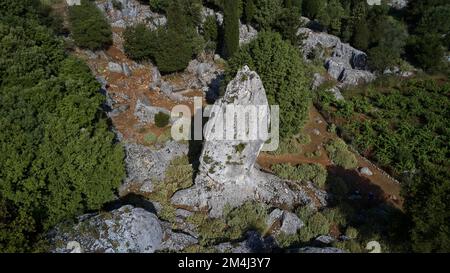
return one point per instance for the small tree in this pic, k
(211, 33)
(249, 11)
(139, 42)
(178, 41)
(312, 8)
(89, 27)
(361, 35)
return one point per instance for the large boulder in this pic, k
(343, 62)
(227, 173)
(291, 223)
(125, 230)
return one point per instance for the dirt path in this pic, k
(380, 185)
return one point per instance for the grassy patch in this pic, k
(340, 154)
(234, 224)
(305, 172)
(179, 175)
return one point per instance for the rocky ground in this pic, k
(143, 221)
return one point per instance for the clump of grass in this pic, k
(179, 175)
(233, 225)
(150, 138)
(340, 154)
(305, 172)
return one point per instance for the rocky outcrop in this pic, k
(145, 112)
(227, 175)
(284, 221)
(247, 33)
(207, 12)
(145, 166)
(125, 230)
(132, 12)
(206, 76)
(343, 62)
(156, 78)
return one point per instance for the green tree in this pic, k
(140, 42)
(426, 202)
(267, 12)
(178, 42)
(331, 15)
(428, 51)
(89, 27)
(211, 33)
(361, 35)
(389, 40)
(231, 28)
(312, 8)
(59, 158)
(249, 11)
(284, 76)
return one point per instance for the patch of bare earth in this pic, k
(379, 185)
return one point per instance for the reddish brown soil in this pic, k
(382, 187)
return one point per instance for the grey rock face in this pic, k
(115, 67)
(132, 12)
(144, 165)
(227, 175)
(145, 112)
(246, 34)
(176, 242)
(325, 239)
(166, 88)
(274, 218)
(125, 230)
(318, 80)
(291, 223)
(126, 70)
(366, 171)
(207, 77)
(156, 78)
(354, 77)
(336, 93)
(346, 64)
(231, 160)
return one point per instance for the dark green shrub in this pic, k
(162, 119)
(89, 27)
(140, 42)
